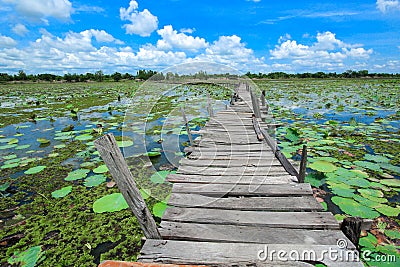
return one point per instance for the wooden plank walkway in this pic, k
(232, 200)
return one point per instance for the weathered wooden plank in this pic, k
(243, 190)
(303, 203)
(230, 163)
(113, 158)
(249, 234)
(239, 254)
(207, 153)
(248, 170)
(204, 146)
(234, 179)
(256, 127)
(300, 220)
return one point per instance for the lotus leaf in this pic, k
(101, 169)
(323, 166)
(110, 203)
(35, 170)
(376, 158)
(388, 210)
(95, 180)
(353, 208)
(368, 241)
(368, 165)
(27, 258)
(159, 209)
(153, 154)
(43, 140)
(146, 193)
(77, 174)
(159, 177)
(4, 187)
(391, 182)
(392, 234)
(84, 137)
(62, 192)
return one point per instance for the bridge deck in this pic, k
(232, 199)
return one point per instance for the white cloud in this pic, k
(326, 53)
(142, 23)
(387, 5)
(20, 29)
(42, 9)
(101, 36)
(6, 41)
(171, 39)
(187, 30)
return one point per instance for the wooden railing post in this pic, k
(256, 106)
(351, 227)
(113, 158)
(303, 165)
(209, 106)
(187, 127)
(263, 103)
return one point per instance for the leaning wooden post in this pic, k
(256, 107)
(209, 106)
(351, 227)
(113, 158)
(303, 165)
(263, 103)
(187, 126)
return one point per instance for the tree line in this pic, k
(99, 76)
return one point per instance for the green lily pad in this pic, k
(314, 180)
(12, 156)
(146, 193)
(391, 182)
(95, 180)
(7, 146)
(77, 174)
(21, 147)
(110, 203)
(43, 140)
(323, 166)
(392, 234)
(368, 241)
(368, 165)
(10, 165)
(388, 210)
(353, 208)
(390, 167)
(27, 258)
(125, 143)
(376, 158)
(101, 169)
(159, 177)
(153, 154)
(292, 135)
(62, 192)
(84, 137)
(4, 187)
(159, 209)
(35, 170)
(13, 141)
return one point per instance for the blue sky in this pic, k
(76, 36)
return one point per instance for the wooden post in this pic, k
(303, 165)
(256, 107)
(113, 158)
(351, 227)
(232, 100)
(187, 126)
(209, 106)
(257, 128)
(263, 103)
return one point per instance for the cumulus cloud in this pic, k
(171, 39)
(327, 52)
(387, 5)
(142, 23)
(42, 9)
(20, 29)
(6, 41)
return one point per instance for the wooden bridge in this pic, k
(236, 201)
